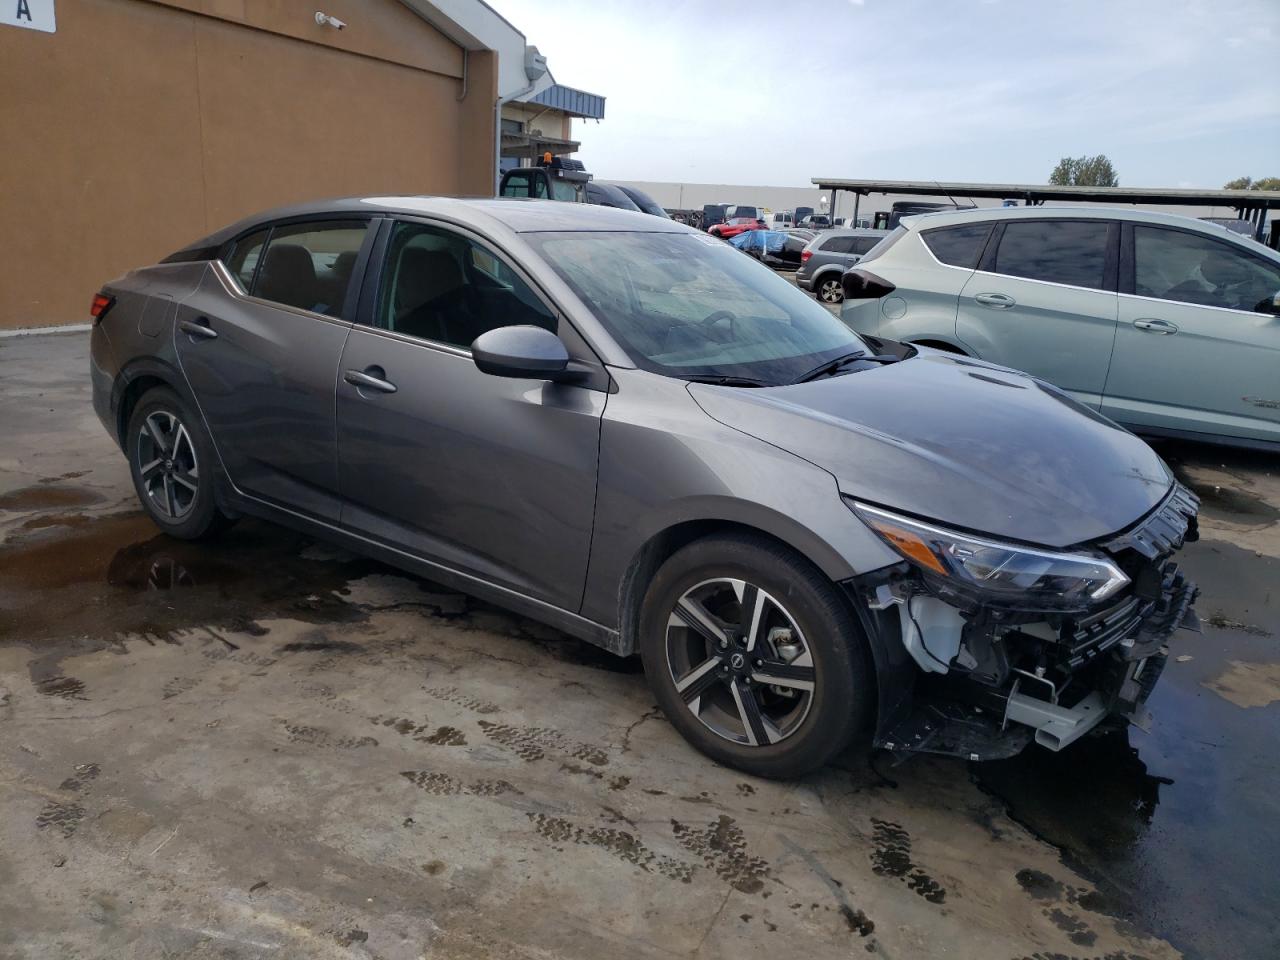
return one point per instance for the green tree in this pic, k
(1084, 172)
(1248, 183)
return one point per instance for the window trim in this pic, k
(1110, 265)
(580, 349)
(351, 298)
(1129, 267)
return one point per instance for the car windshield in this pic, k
(689, 305)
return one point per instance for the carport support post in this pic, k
(857, 198)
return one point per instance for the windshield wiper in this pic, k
(726, 381)
(832, 366)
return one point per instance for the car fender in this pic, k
(705, 475)
(823, 271)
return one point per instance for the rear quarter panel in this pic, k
(923, 305)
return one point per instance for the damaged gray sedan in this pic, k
(618, 426)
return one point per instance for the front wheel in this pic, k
(830, 290)
(754, 656)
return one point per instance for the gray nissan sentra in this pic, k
(626, 429)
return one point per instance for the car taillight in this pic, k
(101, 304)
(805, 255)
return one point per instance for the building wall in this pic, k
(140, 126)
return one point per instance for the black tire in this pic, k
(841, 697)
(168, 438)
(828, 288)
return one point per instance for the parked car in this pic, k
(731, 228)
(608, 423)
(738, 211)
(1165, 324)
(826, 258)
(780, 249)
(816, 221)
(712, 213)
(609, 195)
(642, 200)
(781, 220)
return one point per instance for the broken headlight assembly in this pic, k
(1020, 576)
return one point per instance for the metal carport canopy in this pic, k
(1252, 205)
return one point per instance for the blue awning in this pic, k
(577, 103)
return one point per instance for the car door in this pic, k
(1043, 300)
(1198, 346)
(259, 343)
(488, 476)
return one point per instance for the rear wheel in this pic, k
(830, 289)
(172, 463)
(754, 656)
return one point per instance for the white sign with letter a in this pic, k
(32, 14)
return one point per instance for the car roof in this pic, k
(923, 221)
(854, 232)
(516, 214)
(1091, 212)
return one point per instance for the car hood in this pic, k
(962, 442)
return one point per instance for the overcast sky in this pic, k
(1175, 92)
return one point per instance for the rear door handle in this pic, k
(371, 378)
(1156, 326)
(999, 301)
(198, 328)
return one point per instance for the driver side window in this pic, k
(1174, 265)
(444, 287)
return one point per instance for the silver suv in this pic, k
(1166, 324)
(829, 255)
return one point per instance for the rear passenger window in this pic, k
(1073, 252)
(309, 265)
(439, 285)
(244, 258)
(864, 245)
(838, 245)
(958, 246)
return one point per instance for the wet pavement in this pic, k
(263, 746)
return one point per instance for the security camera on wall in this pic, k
(326, 20)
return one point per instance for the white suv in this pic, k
(1166, 324)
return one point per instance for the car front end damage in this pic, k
(982, 646)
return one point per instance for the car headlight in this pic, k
(1010, 571)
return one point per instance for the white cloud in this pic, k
(778, 94)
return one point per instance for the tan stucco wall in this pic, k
(140, 126)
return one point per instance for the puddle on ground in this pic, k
(1146, 816)
(1217, 501)
(98, 579)
(43, 496)
(1233, 505)
(118, 575)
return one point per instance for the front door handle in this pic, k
(370, 378)
(1163, 327)
(999, 301)
(198, 328)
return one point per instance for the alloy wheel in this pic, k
(168, 470)
(830, 291)
(739, 662)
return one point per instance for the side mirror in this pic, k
(524, 352)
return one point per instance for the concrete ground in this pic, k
(265, 747)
